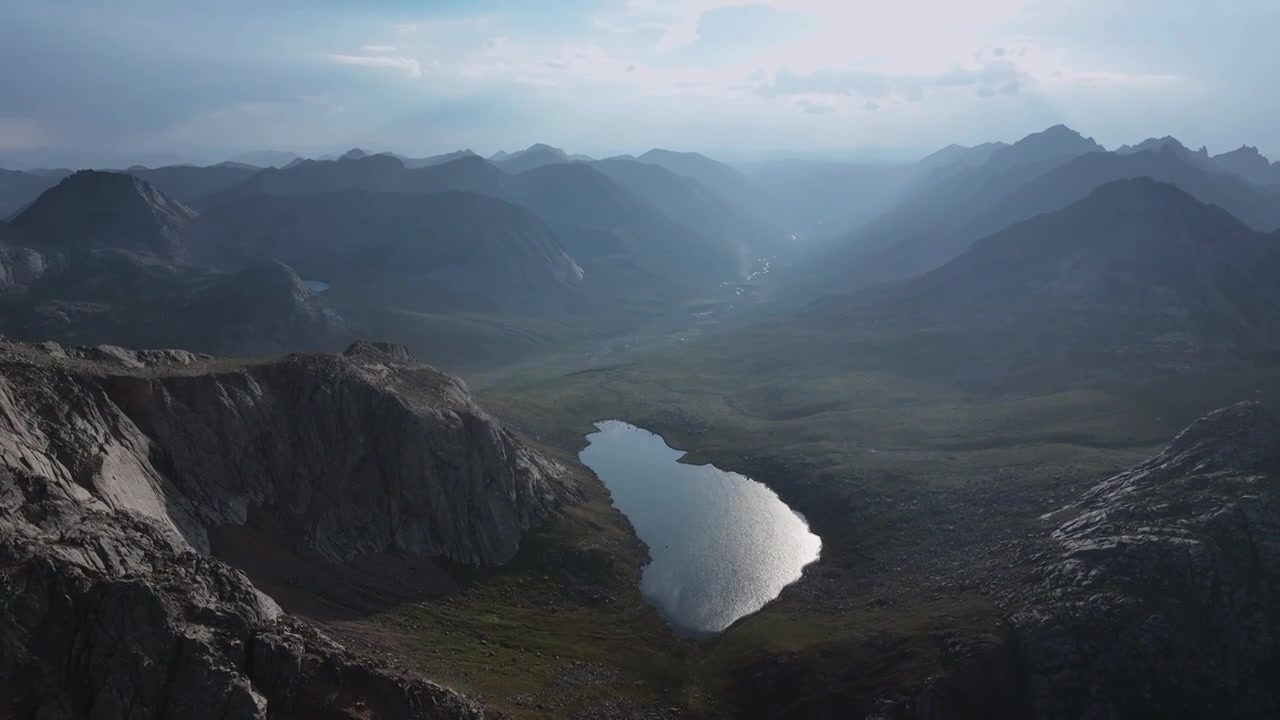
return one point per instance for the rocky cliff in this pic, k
(114, 466)
(1157, 596)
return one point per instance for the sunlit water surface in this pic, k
(722, 545)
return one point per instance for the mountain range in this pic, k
(936, 218)
(558, 230)
(1137, 274)
(437, 250)
(963, 374)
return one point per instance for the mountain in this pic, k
(1198, 158)
(189, 184)
(824, 198)
(963, 182)
(1047, 147)
(266, 158)
(375, 174)
(126, 475)
(959, 155)
(1076, 179)
(719, 178)
(413, 163)
(928, 220)
(532, 157)
(431, 251)
(1249, 164)
(97, 210)
(927, 230)
(120, 297)
(470, 174)
(581, 202)
(19, 189)
(684, 200)
(1139, 274)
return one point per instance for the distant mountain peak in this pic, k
(535, 155)
(93, 209)
(543, 147)
(1250, 164)
(354, 154)
(266, 158)
(1058, 142)
(1055, 133)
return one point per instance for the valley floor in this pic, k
(927, 496)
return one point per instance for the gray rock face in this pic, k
(1160, 597)
(19, 267)
(114, 465)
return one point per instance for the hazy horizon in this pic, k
(152, 82)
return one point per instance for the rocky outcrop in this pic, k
(1158, 598)
(114, 466)
(19, 267)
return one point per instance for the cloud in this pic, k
(380, 48)
(870, 105)
(819, 109)
(1002, 70)
(826, 82)
(408, 66)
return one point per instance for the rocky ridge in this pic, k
(1156, 596)
(115, 464)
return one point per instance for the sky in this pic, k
(202, 80)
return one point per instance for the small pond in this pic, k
(721, 544)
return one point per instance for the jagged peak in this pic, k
(1166, 144)
(1249, 151)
